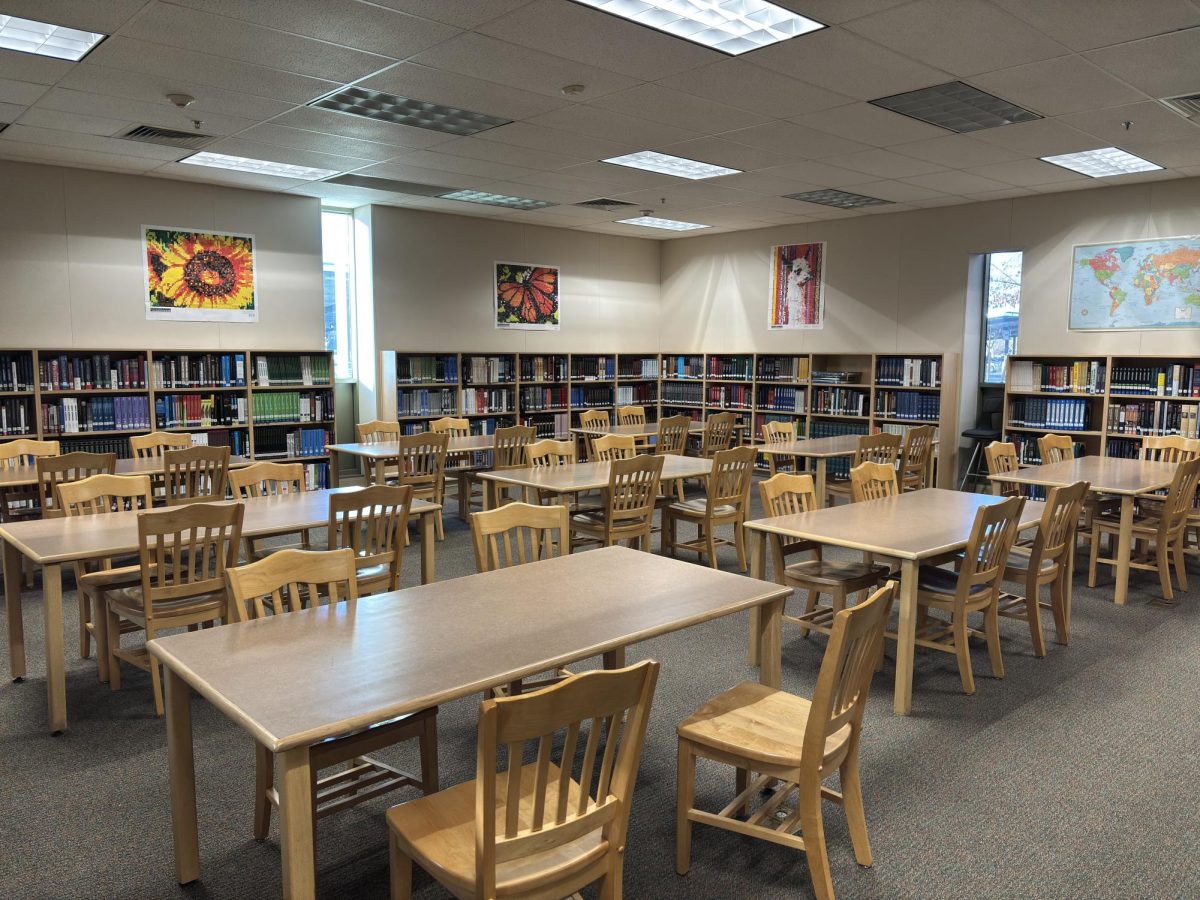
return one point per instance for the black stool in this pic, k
(986, 430)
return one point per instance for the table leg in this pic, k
(428, 566)
(770, 642)
(906, 636)
(13, 562)
(183, 779)
(491, 494)
(1124, 549)
(56, 675)
(615, 659)
(335, 463)
(296, 824)
(820, 464)
(380, 471)
(758, 569)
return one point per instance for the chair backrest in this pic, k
(184, 551)
(1001, 458)
(1057, 529)
(549, 805)
(53, 471)
(104, 493)
(23, 451)
(452, 426)
(915, 453)
(873, 481)
(291, 580)
(1056, 448)
(372, 523)
(377, 431)
(517, 533)
(196, 475)
(878, 448)
(729, 481)
(422, 459)
(776, 432)
(550, 453)
(718, 433)
(267, 479)
(152, 445)
(986, 554)
(608, 447)
(786, 494)
(633, 488)
(1165, 448)
(672, 435)
(509, 452)
(631, 415)
(1180, 499)
(594, 418)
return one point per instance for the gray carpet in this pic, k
(1074, 776)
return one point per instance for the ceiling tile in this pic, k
(86, 15)
(886, 164)
(957, 151)
(740, 83)
(1046, 137)
(617, 178)
(95, 143)
(335, 145)
(10, 112)
(590, 188)
(1006, 194)
(1084, 24)
(793, 139)
(538, 137)
(1026, 172)
(721, 152)
(595, 121)
(679, 197)
(768, 183)
(870, 125)
(492, 151)
(288, 155)
(660, 104)
(940, 201)
(74, 157)
(551, 195)
(957, 183)
(1172, 154)
(206, 175)
(1054, 87)
(161, 114)
(424, 175)
(463, 13)
(20, 93)
(833, 12)
(345, 125)
(342, 194)
(36, 69)
(1163, 66)
(819, 173)
(73, 121)
(430, 159)
(896, 191)
(1150, 122)
(461, 91)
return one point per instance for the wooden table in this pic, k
(1124, 478)
(51, 543)
(380, 454)
(820, 450)
(586, 476)
(405, 651)
(24, 476)
(911, 527)
(646, 429)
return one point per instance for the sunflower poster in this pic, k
(797, 286)
(199, 276)
(527, 297)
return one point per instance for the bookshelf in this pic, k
(18, 395)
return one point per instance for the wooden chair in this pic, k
(876, 448)
(916, 454)
(592, 418)
(183, 553)
(377, 431)
(873, 481)
(1002, 459)
(196, 475)
(1055, 448)
(269, 479)
(775, 432)
(372, 522)
(793, 745)
(546, 453)
(19, 503)
(786, 494)
(634, 415)
(718, 434)
(1168, 449)
(54, 471)
(672, 438)
(975, 588)
(1165, 534)
(538, 829)
(422, 466)
(629, 503)
(289, 581)
(92, 496)
(608, 447)
(726, 500)
(509, 453)
(152, 445)
(1050, 562)
(459, 466)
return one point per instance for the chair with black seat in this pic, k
(986, 430)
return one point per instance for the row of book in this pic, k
(1028, 452)
(836, 377)
(1123, 449)
(1157, 381)
(15, 417)
(1061, 414)
(71, 415)
(685, 394)
(636, 393)
(683, 367)
(297, 442)
(16, 371)
(118, 446)
(900, 429)
(426, 369)
(737, 368)
(646, 367)
(782, 368)
(316, 476)
(908, 405)
(293, 406)
(786, 399)
(839, 465)
(838, 401)
(487, 400)
(1085, 376)
(98, 371)
(184, 370)
(545, 398)
(731, 396)
(554, 426)
(543, 368)
(301, 369)
(198, 411)
(488, 369)
(238, 442)
(582, 397)
(592, 368)
(1154, 417)
(425, 402)
(909, 371)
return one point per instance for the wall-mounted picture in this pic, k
(1136, 284)
(199, 276)
(527, 297)
(797, 286)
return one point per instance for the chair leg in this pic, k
(741, 780)
(685, 788)
(991, 624)
(1180, 569)
(1094, 546)
(85, 617)
(1033, 611)
(1058, 606)
(710, 541)
(264, 780)
(156, 683)
(610, 887)
(810, 604)
(812, 828)
(852, 802)
(113, 627)
(739, 543)
(401, 871)
(1164, 571)
(963, 651)
(429, 756)
(101, 637)
(437, 524)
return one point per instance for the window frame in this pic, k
(984, 382)
(345, 354)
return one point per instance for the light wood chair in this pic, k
(183, 553)
(544, 454)
(634, 415)
(536, 830)
(717, 434)
(975, 588)
(1055, 448)
(873, 481)
(629, 503)
(786, 494)
(98, 495)
(1164, 448)
(1001, 459)
(196, 475)
(1050, 561)
(373, 523)
(269, 479)
(19, 503)
(776, 432)
(877, 448)
(377, 431)
(726, 500)
(916, 454)
(422, 466)
(793, 745)
(1158, 539)
(672, 438)
(152, 445)
(461, 467)
(509, 453)
(608, 447)
(592, 418)
(284, 583)
(55, 471)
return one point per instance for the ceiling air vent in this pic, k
(149, 134)
(1187, 106)
(603, 203)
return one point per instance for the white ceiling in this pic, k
(792, 115)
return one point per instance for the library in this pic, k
(597, 448)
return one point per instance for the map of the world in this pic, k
(1137, 284)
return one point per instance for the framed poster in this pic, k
(1136, 285)
(527, 297)
(797, 286)
(198, 276)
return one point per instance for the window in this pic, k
(337, 245)
(1001, 310)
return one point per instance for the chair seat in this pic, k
(943, 581)
(827, 573)
(121, 576)
(128, 601)
(370, 573)
(699, 506)
(759, 723)
(1019, 562)
(982, 434)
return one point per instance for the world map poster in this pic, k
(1136, 284)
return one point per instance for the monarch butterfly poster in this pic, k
(797, 286)
(199, 276)
(527, 297)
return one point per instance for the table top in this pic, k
(840, 445)
(1105, 474)
(916, 525)
(403, 651)
(589, 476)
(48, 541)
(390, 449)
(648, 429)
(21, 476)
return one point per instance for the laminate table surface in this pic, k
(647, 429)
(817, 448)
(591, 476)
(23, 476)
(384, 450)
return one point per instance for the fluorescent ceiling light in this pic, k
(837, 199)
(651, 161)
(496, 200)
(44, 39)
(256, 166)
(956, 107)
(1102, 163)
(667, 224)
(731, 26)
(383, 107)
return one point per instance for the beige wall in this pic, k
(71, 264)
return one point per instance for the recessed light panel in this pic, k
(664, 164)
(731, 26)
(256, 166)
(666, 224)
(496, 200)
(1102, 163)
(44, 39)
(837, 199)
(399, 110)
(957, 107)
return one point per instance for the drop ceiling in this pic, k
(794, 117)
